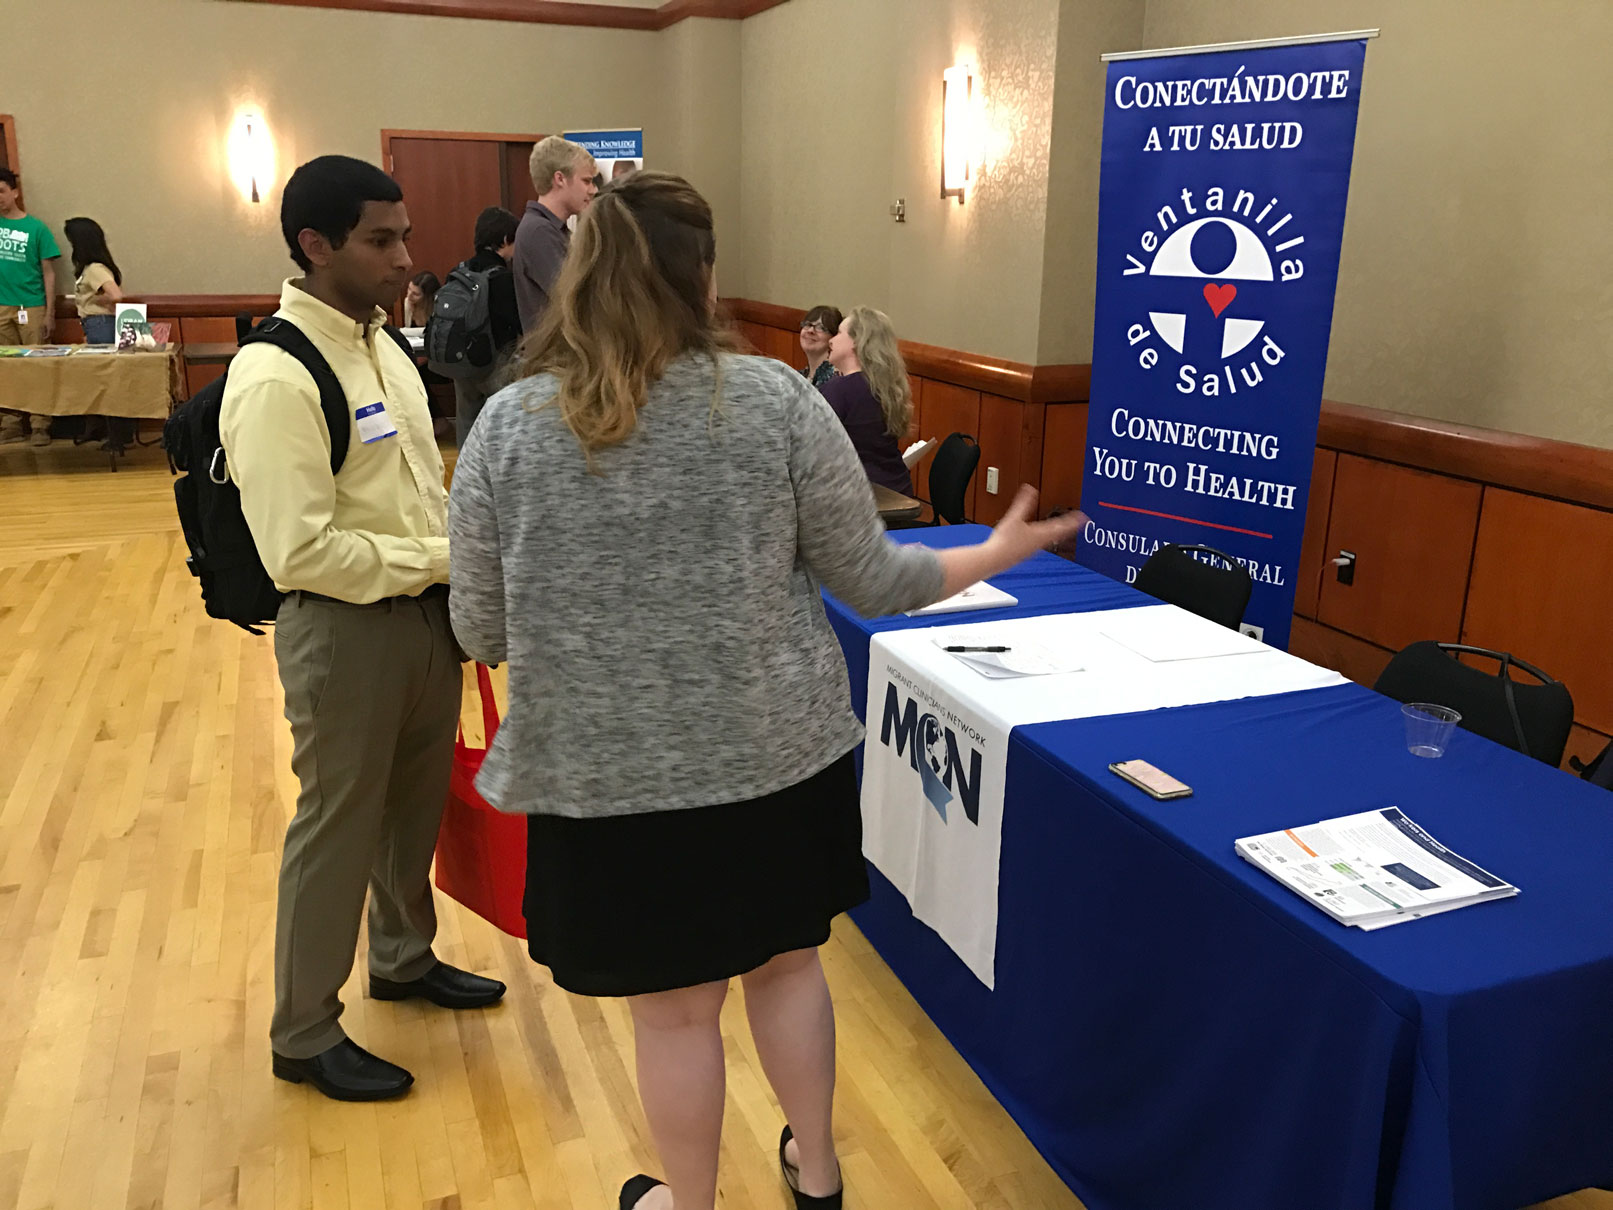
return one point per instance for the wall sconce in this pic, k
(251, 155)
(958, 130)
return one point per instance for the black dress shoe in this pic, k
(633, 1192)
(346, 1072)
(445, 986)
(792, 1178)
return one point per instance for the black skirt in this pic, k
(631, 904)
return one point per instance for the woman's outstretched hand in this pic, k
(1019, 535)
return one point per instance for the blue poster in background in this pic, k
(612, 147)
(1221, 210)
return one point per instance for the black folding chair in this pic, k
(950, 472)
(1530, 718)
(1218, 593)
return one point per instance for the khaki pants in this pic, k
(13, 331)
(372, 695)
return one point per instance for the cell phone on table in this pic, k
(1152, 781)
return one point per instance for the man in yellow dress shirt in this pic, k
(367, 660)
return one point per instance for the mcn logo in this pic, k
(1213, 286)
(933, 751)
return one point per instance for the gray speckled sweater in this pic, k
(666, 642)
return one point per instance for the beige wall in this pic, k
(698, 122)
(842, 116)
(1474, 284)
(143, 151)
(1474, 278)
(1087, 29)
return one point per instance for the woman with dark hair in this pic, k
(817, 327)
(418, 297)
(98, 283)
(638, 528)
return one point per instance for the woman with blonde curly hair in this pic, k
(872, 396)
(639, 528)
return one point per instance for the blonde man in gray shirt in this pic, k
(564, 175)
(639, 528)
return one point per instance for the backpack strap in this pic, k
(399, 339)
(288, 337)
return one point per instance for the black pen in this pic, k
(962, 649)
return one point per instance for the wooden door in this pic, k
(446, 184)
(518, 190)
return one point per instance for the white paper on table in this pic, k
(1026, 658)
(976, 596)
(1178, 635)
(1372, 869)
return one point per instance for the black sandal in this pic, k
(792, 1178)
(633, 1192)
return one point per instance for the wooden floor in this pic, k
(144, 787)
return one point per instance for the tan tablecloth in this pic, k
(141, 386)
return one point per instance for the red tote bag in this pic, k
(481, 852)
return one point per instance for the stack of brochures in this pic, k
(1373, 869)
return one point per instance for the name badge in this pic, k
(22, 315)
(374, 423)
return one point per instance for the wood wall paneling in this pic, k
(1005, 444)
(949, 409)
(1064, 434)
(1561, 469)
(177, 306)
(67, 332)
(784, 346)
(1355, 658)
(1541, 587)
(196, 377)
(207, 329)
(446, 184)
(1412, 533)
(1313, 555)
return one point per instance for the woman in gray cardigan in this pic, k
(639, 528)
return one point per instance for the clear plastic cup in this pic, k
(1428, 727)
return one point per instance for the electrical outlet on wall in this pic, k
(991, 481)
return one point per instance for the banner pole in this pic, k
(1258, 44)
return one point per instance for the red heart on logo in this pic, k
(1219, 297)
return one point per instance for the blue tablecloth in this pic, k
(1175, 1031)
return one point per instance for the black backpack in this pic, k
(223, 556)
(459, 334)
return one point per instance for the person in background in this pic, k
(495, 245)
(622, 169)
(871, 395)
(417, 299)
(367, 660)
(565, 176)
(696, 818)
(817, 326)
(98, 282)
(28, 256)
